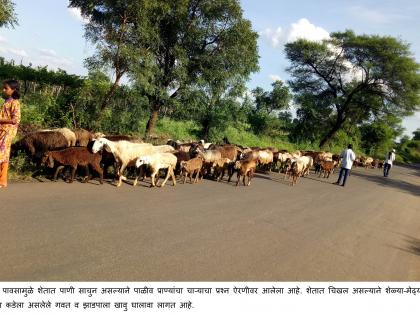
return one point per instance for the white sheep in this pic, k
(165, 148)
(125, 153)
(156, 162)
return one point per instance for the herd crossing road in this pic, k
(270, 231)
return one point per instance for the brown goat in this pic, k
(73, 157)
(220, 166)
(82, 137)
(36, 143)
(181, 156)
(246, 168)
(190, 167)
(327, 168)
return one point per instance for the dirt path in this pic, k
(369, 230)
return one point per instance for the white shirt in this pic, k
(348, 157)
(391, 159)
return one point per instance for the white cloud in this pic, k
(75, 13)
(374, 16)
(48, 52)
(275, 77)
(13, 51)
(300, 29)
(52, 59)
(2, 40)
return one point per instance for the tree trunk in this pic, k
(327, 138)
(108, 95)
(206, 130)
(152, 121)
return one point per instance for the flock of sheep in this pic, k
(60, 148)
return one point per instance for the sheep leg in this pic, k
(59, 168)
(120, 173)
(168, 173)
(185, 174)
(173, 177)
(73, 172)
(222, 173)
(135, 181)
(251, 174)
(239, 178)
(197, 176)
(230, 172)
(88, 175)
(153, 176)
(98, 169)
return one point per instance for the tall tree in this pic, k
(183, 43)
(111, 29)
(351, 78)
(7, 13)
(276, 99)
(416, 134)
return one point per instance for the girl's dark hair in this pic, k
(389, 155)
(15, 86)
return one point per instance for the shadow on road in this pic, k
(389, 182)
(412, 245)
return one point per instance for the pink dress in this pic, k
(9, 110)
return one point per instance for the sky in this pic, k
(50, 34)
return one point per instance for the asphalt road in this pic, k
(270, 231)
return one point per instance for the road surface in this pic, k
(315, 231)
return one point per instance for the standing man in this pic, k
(348, 158)
(389, 158)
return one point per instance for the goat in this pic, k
(36, 143)
(67, 133)
(326, 168)
(156, 162)
(190, 168)
(83, 137)
(220, 166)
(73, 157)
(245, 168)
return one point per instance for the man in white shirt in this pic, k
(389, 158)
(348, 158)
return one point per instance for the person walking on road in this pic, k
(389, 158)
(348, 158)
(9, 121)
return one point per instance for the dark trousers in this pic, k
(344, 172)
(387, 167)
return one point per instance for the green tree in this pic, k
(416, 134)
(184, 43)
(266, 116)
(378, 137)
(349, 78)
(111, 28)
(277, 99)
(7, 13)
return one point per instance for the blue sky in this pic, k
(51, 34)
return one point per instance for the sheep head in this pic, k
(144, 160)
(98, 145)
(47, 160)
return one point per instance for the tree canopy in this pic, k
(351, 79)
(416, 134)
(168, 46)
(7, 13)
